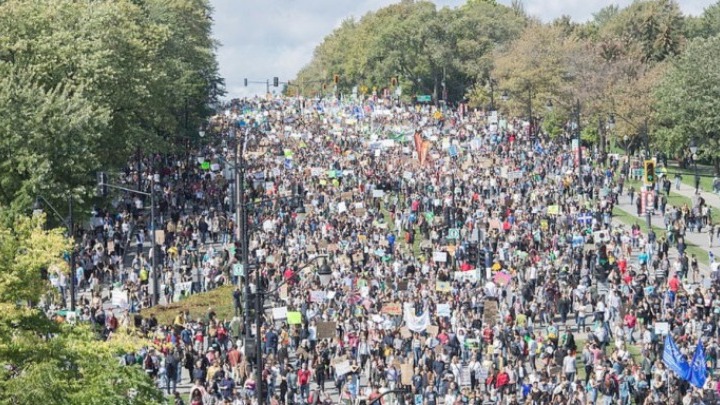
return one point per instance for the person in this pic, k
(237, 297)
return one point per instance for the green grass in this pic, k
(630, 219)
(677, 200)
(688, 176)
(220, 299)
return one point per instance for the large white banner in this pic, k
(417, 323)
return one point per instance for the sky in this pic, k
(262, 39)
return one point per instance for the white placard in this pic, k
(317, 296)
(440, 257)
(444, 310)
(342, 207)
(316, 171)
(378, 193)
(119, 299)
(662, 328)
(279, 313)
(407, 175)
(462, 276)
(343, 368)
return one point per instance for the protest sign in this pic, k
(406, 374)
(443, 310)
(279, 313)
(439, 256)
(294, 318)
(443, 286)
(343, 368)
(432, 330)
(392, 308)
(326, 330)
(317, 296)
(490, 313)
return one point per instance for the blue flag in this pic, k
(698, 367)
(674, 360)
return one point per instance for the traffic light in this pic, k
(238, 252)
(649, 171)
(336, 79)
(245, 82)
(276, 82)
(393, 81)
(102, 189)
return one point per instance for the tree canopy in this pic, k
(84, 84)
(42, 361)
(614, 64)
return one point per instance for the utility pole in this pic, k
(71, 229)
(579, 140)
(155, 271)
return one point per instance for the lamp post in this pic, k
(324, 274)
(103, 185)
(68, 222)
(693, 150)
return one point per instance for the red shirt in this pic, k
(303, 377)
(674, 284)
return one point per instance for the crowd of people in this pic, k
(473, 260)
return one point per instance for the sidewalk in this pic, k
(700, 240)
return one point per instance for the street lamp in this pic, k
(693, 150)
(325, 274)
(68, 222)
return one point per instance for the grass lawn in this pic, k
(220, 299)
(675, 199)
(630, 219)
(688, 176)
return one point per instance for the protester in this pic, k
(473, 260)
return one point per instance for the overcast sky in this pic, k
(262, 39)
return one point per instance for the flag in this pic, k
(418, 142)
(698, 367)
(674, 360)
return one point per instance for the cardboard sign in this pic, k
(159, 237)
(357, 257)
(443, 286)
(402, 285)
(405, 333)
(326, 330)
(432, 330)
(406, 374)
(284, 293)
(392, 309)
(490, 313)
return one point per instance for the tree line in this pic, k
(647, 65)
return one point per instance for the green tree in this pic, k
(87, 83)
(688, 99)
(42, 361)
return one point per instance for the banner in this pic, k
(698, 367)
(417, 323)
(418, 143)
(674, 360)
(424, 149)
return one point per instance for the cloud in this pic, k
(262, 39)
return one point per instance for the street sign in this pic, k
(425, 98)
(453, 233)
